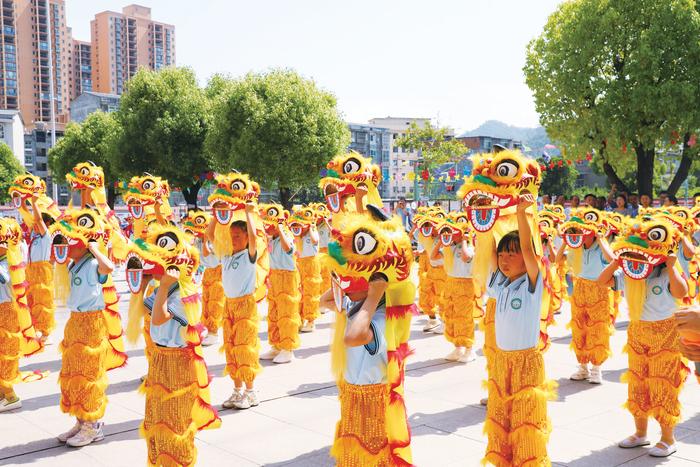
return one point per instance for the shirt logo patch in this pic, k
(77, 281)
(516, 303)
(234, 265)
(656, 290)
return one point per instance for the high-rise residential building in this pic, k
(82, 67)
(40, 27)
(9, 85)
(123, 42)
(373, 142)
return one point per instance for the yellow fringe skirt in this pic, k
(241, 342)
(40, 296)
(423, 288)
(458, 313)
(174, 408)
(325, 271)
(488, 325)
(310, 275)
(283, 318)
(10, 335)
(431, 295)
(558, 289)
(656, 372)
(212, 299)
(592, 318)
(83, 377)
(516, 423)
(361, 434)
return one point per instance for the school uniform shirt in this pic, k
(366, 364)
(460, 268)
(39, 247)
(324, 235)
(169, 334)
(419, 247)
(436, 263)
(5, 282)
(85, 285)
(517, 312)
(281, 260)
(659, 304)
(238, 274)
(696, 238)
(683, 260)
(307, 246)
(558, 242)
(593, 262)
(209, 261)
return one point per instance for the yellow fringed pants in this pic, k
(656, 371)
(212, 299)
(283, 319)
(458, 313)
(10, 333)
(171, 392)
(83, 377)
(241, 342)
(361, 434)
(40, 296)
(325, 272)
(310, 275)
(432, 295)
(591, 321)
(488, 325)
(516, 423)
(423, 288)
(558, 284)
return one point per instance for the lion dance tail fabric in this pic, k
(592, 315)
(212, 299)
(40, 296)
(459, 312)
(283, 311)
(241, 342)
(310, 272)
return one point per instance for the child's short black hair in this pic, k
(240, 225)
(510, 243)
(47, 218)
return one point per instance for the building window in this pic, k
(2, 131)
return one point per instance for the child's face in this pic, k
(511, 264)
(77, 252)
(239, 238)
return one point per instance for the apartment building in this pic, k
(9, 85)
(82, 67)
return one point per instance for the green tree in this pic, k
(278, 127)
(92, 140)
(559, 180)
(619, 78)
(434, 144)
(164, 118)
(10, 167)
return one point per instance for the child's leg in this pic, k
(212, 299)
(591, 322)
(284, 299)
(9, 349)
(310, 271)
(638, 402)
(497, 424)
(40, 296)
(241, 342)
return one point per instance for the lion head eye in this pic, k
(148, 185)
(657, 234)
(591, 217)
(273, 212)
(28, 182)
(167, 241)
(352, 165)
(86, 221)
(238, 185)
(507, 169)
(363, 243)
(199, 220)
(84, 171)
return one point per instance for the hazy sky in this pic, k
(459, 61)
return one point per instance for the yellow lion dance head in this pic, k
(75, 229)
(196, 222)
(27, 186)
(143, 192)
(272, 215)
(344, 175)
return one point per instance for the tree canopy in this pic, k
(559, 180)
(277, 126)
(10, 167)
(618, 78)
(433, 143)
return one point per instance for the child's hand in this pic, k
(378, 285)
(671, 260)
(92, 247)
(250, 208)
(361, 191)
(526, 200)
(170, 277)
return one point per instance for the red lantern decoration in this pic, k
(589, 156)
(543, 168)
(425, 175)
(569, 161)
(551, 165)
(624, 148)
(560, 163)
(673, 142)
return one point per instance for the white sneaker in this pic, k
(467, 356)
(6, 405)
(664, 451)
(439, 329)
(596, 376)
(430, 325)
(455, 355)
(63, 437)
(581, 374)
(248, 400)
(233, 400)
(210, 339)
(284, 356)
(484, 401)
(308, 326)
(90, 432)
(270, 354)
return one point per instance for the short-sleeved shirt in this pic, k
(683, 260)
(419, 248)
(208, 261)
(238, 274)
(281, 260)
(517, 312)
(169, 334)
(85, 285)
(307, 246)
(593, 262)
(366, 364)
(437, 263)
(5, 282)
(659, 304)
(324, 235)
(39, 247)
(696, 238)
(460, 268)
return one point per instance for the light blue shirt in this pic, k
(593, 262)
(85, 285)
(659, 304)
(238, 274)
(517, 312)
(460, 268)
(324, 235)
(696, 238)
(5, 282)
(40, 248)
(169, 334)
(281, 260)
(366, 364)
(209, 261)
(683, 261)
(419, 247)
(436, 263)
(307, 246)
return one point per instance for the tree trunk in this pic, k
(609, 171)
(683, 168)
(285, 197)
(645, 169)
(111, 195)
(190, 195)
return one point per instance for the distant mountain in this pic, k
(533, 138)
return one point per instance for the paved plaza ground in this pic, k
(294, 424)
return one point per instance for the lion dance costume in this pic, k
(302, 224)
(373, 428)
(177, 387)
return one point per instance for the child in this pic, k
(212, 293)
(310, 273)
(241, 321)
(40, 297)
(85, 346)
(516, 416)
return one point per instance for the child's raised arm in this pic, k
(531, 264)
(286, 244)
(359, 331)
(209, 234)
(104, 264)
(608, 254)
(607, 275)
(677, 284)
(250, 208)
(38, 220)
